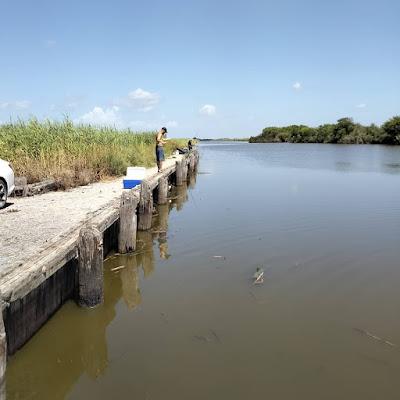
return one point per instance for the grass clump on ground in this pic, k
(75, 154)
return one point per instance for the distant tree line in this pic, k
(345, 131)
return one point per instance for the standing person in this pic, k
(160, 141)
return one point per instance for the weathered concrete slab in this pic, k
(38, 235)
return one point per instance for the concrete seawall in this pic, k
(67, 263)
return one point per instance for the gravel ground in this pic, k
(30, 223)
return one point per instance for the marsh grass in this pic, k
(75, 154)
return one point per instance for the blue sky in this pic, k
(205, 68)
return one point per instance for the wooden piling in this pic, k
(21, 186)
(127, 223)
(179, 173)
(185, 171)
(145, 207)
(162, 190)
(192, 162)
(3, 349)
(90, 267)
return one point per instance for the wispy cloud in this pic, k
(15, 105)
(70, 103)
(208, 109)
(140, 99)
(101, 116)
(361, 105)
(22, 104)
(73, 102)
(297, 86)
(114, 116)
(50, 43)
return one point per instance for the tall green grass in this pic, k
(75, 154)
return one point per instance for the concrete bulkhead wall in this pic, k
(24, 315)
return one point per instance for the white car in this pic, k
(6, 182)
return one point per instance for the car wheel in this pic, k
(3, 193)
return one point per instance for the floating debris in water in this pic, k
(258, 276)
(216, 337)
(372, 336)
(117, 268)
(164, 317)
(207, 339)
(202, 338)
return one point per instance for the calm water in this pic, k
(324, 223)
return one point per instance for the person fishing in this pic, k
(160, 141)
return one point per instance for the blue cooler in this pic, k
(134, 177)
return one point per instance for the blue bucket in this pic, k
(131, 183)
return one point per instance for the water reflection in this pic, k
(392, 168)
(343, 166)
(336, 157)
(160, 233)
(130, 283)
(192, 181)
(74, 342)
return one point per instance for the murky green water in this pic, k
(178, 323)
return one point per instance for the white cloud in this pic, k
(297, 86)
(71, 105)
(171, 124)
(49, 43)
(140, 99)
(17, 105)
(101, 116)
(208, 109)
(22, 104)
(361, 105)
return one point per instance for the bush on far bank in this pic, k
(345, 131)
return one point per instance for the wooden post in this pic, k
(163, 190)
(145, 207)
(3, 350)
(90, 267)
(127, 223)
(192, 163)
(21, 186)
(185, 171)
(179, 173)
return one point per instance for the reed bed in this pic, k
(75, 154)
